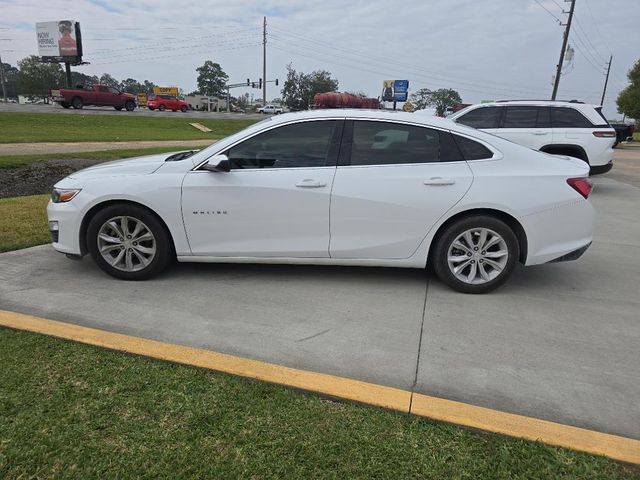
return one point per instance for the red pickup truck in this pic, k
(98, 95)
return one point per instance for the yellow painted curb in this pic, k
(615, 447)
(575, 438)
(355, 390)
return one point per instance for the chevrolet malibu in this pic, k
(333, 187)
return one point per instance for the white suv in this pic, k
(569, 128)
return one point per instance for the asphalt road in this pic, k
(558, 342)
(53, 108)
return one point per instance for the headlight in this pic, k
(61, 195)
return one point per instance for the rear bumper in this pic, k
(599, 169)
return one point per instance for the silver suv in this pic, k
(569, 128)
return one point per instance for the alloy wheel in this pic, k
(126, 243)
(477, 256)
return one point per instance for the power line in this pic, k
(549, 11)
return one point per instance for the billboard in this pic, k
(395, 90)
(59, 41)
(166, 91)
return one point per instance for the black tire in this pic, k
(65, 105)
(164, 252)
(151, 108)
(183, 109)
(445, 240)
(162, 108)
(173, 110)
(130, 106)
(77, 103)
(118, 108)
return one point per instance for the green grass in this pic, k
(12, 161)
(636, 136)
(58, 127)
(23, 223)
(69, 410)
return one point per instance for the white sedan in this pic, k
(333, 187)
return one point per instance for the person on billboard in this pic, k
(387, 91)
(66, 42)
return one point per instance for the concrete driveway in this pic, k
(559, 342)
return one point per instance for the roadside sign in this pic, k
(59, 41)
(395, 90)
(142, 99)
(166, 91)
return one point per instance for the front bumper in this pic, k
(67, 218)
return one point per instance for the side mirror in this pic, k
(218, 163)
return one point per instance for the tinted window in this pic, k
(383, 143)
(303, 144)
(103, 89)
(544, 117)
(568, 118)
(471, 149)
(113, 90)
(483, 117)
(520, 117)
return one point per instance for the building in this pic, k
(207, 104)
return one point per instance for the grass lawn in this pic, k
(57, 127)
(636, 136)
(69, 410)
(12, 161)
(23, 223)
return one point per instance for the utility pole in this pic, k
(564, 47)
(4, 89)
(606, 80)
(264, 61)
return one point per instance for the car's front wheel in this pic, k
(130, 106)
(475, 254)
(183, 109)
(162, 108)
(129, 242)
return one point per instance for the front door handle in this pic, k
(311, 183)
(540, 133)
(439, 181)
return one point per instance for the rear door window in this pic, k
(567, 117)
(483, 117)
(386, 143)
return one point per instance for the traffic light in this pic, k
(248, 82)
(260, 82)
(276, 82)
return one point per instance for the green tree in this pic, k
(10, 80)
(131, 85)
(212, 80)
(37, 79)
(148, 86)
(440, 99)
(80, 79)
(299, 88)
(106, 79)
(629, 99)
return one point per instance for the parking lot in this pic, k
(557, 342)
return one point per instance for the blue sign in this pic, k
(400, 90)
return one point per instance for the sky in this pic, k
(486, 50)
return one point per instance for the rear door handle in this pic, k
(439, 181)
(311, 183)
(540, 133)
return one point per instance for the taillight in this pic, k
(632, 129)
(604, 134)
(581, 185)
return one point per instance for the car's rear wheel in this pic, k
(475, 254)
(130, 106)
(129, 242)
(162, 108)
(77, 103)
(183, 109)
(65, 105)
